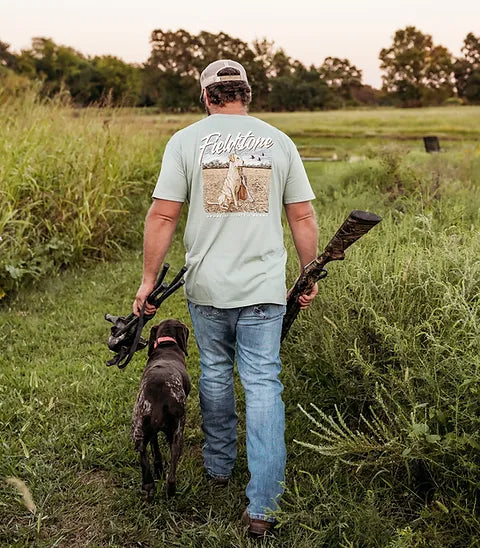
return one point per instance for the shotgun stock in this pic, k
(353, 228)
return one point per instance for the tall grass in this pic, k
(69, 183)
(388, 361)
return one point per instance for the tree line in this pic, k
(416, 72)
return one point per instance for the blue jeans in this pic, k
(253, 334)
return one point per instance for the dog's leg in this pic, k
(148, 483)
(236, 188)
(157, 457)
(176, 448)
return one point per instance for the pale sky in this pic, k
(307, 30)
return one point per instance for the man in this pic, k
(236, 172)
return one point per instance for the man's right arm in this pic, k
(303, 224)
(160, 224)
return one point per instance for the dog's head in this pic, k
(235, 159)
(169, 329)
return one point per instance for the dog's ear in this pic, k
(182, 338)
(152, 339)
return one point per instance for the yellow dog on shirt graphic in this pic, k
(235, 186)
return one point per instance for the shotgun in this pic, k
(353, 228)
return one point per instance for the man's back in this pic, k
(236, 172)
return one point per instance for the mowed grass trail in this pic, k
(66, 426)
(66, 417)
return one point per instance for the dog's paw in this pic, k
(148, 491)
(159, 471)
(171, 489)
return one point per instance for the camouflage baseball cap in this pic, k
(210, 74)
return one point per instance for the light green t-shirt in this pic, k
(236, 172)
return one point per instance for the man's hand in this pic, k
(306, 299)
(143, 292)
(160, 223)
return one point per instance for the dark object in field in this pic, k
(431, 143)
(161, 402)
(353, 228)
(125, 336)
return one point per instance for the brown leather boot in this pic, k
(218, 481)
(257, 528)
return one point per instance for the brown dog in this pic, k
(161, 402)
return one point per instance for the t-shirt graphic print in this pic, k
(236, 171)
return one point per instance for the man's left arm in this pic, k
(303, 225)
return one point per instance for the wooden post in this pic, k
(431, 143)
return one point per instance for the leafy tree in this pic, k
(416, 71)
(187, 55)
(472, 90)
(281, 65)
(462, 70)
(302, 90)
(12, 84)
(278, 82)
(117, 79)
(58, 67)
(269, 64)
(87, 80)
(258, 73)
(341, 76)
(173, 51)
(217, 46)
(467, 69)
(170, 77)
(284, 94)
(171, 69)
(151, 86)
(7, 58)
(221, 46)
(179, 52)
(471, 49)
(264, 51)
(366, 95)
(178, 93)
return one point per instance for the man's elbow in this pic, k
(301, 213)
(306, 218)
(158, 217)
(164, 212)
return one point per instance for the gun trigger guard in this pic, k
(323, 274)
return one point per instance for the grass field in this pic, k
(388, 354)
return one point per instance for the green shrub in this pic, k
(453, 101)
(13, 85)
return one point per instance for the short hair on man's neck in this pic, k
(222, 93)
